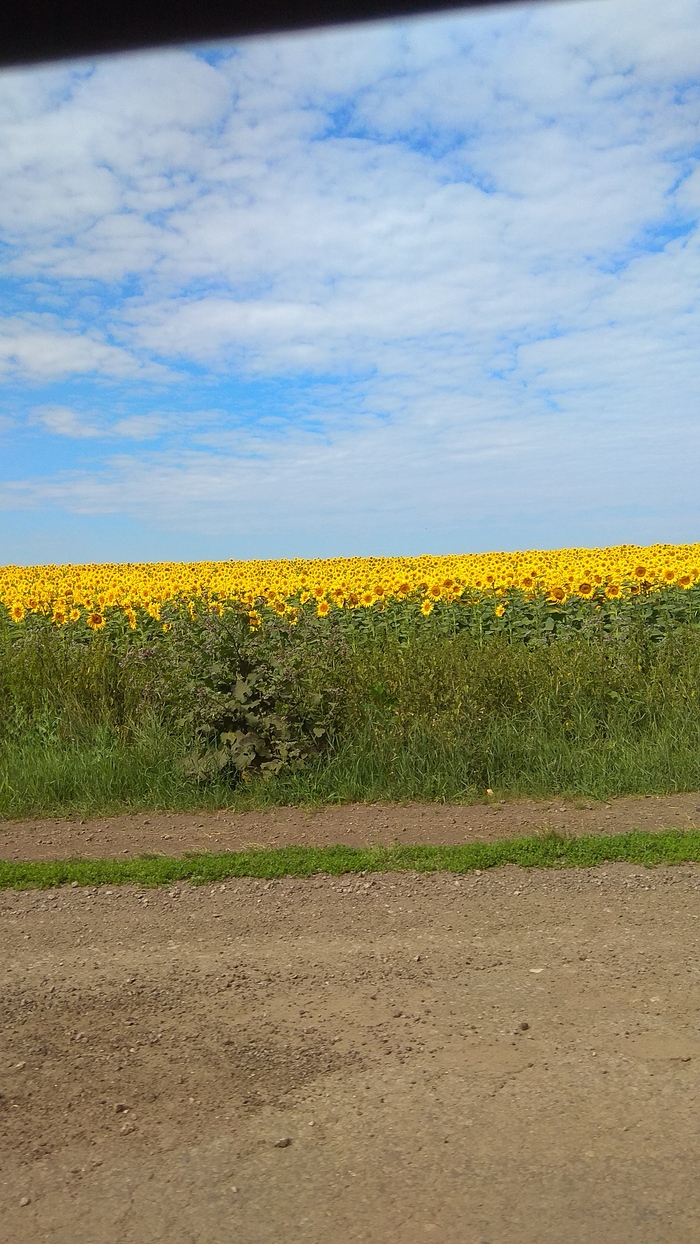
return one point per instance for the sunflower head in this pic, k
(427, 607)
(322, 608)
(95, 620)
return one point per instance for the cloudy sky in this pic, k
(429, 286)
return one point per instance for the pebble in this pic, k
(524, 1026)
(24, 1201)
(283, 1143)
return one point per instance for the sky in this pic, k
(427, 286)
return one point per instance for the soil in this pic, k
(511, 1057)
(358, 825)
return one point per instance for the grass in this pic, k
(548, 851)
(99, 772)
(91, 730)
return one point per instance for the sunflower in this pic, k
(585, 589)
(74, 615)
(254, 620)
(427, 607)
(613, 590)
(322, 608)
(499, 611)
(17, 611)
(95, 621)
(558, 594)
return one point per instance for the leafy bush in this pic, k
(248, 702)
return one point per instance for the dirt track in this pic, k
(351, 824)
(507, 1058)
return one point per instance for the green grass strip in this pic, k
(669, 847)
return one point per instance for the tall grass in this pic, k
(91, 728)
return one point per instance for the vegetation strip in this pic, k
(551, 851)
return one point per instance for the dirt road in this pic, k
(512, 1058)
(359, 825)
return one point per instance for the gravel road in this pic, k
(512, 1058)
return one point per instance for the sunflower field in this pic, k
(499, 591)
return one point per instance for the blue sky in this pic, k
(429, 286)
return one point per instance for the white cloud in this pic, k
(39, 348)
(63, 421)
